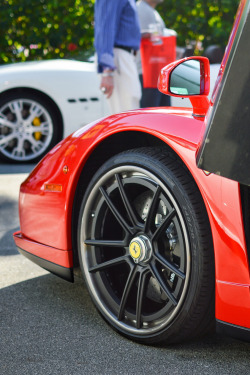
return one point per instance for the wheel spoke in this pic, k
(116, 213)
(139, 299)
(109, 263)
(126, 292)
(43, 129)
(4, 140)
(16, 107)
(35, 111)
(5, 122)
(163, 285)
(108, 243)
(170, 266)
(16, 152)
(152, 210)
(127, 204)
(36, 146)
(163, 226)
(20, 143)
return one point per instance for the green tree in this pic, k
(44, 29)
(209, 22)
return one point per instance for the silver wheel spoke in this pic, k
(43, 129)
(26, 129)
(36, 146)
(18, 152)
(5, 122)
(5, 140)
(16, 107)
(35, 111)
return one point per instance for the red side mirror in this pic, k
(188, 78)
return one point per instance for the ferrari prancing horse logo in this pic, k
(135, 250)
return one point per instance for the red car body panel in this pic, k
(46, 233)
(73, 152)
(49, 235)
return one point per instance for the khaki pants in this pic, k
(127, 89)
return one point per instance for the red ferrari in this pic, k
(163, 244)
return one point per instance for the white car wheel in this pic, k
(28, 127)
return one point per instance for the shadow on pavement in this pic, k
(6, 168)
(8, 213)
(7, 244)
(49, 326)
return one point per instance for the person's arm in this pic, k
(107, 82)
(107, 15)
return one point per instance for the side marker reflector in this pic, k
(53, 187)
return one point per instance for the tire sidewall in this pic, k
(167, 176)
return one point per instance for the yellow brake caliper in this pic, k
(37, 122)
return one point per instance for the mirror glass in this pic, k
(186, 78)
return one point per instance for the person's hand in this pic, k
(107, 83)
(146, 35)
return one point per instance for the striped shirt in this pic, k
(116, 23)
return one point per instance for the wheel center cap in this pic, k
(140, 249)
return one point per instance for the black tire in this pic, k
(29, 127)
(145, 248)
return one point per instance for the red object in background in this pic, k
(72, 47)
(155, 56)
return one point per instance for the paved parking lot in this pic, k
(49, 326)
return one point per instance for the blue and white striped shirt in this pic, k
(116, 23)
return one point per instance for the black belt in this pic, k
(128, 49)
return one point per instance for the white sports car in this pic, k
(44, 101)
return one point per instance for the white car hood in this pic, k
(47, 65)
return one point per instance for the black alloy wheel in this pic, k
(145, 248)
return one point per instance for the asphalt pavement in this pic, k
(49, 326)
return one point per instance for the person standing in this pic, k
(117, 40)
(150, 21)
